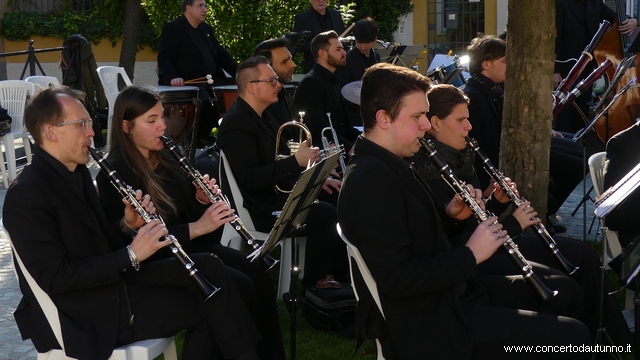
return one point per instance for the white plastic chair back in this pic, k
(596, 170)
(229, 235)
(109, 78)
(13, 97)
(141, 350)
(43, 82)
(354, 254)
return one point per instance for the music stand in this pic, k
(605, 203)
(291, 220)
(296, 40)
(395, 54)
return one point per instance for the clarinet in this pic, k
(129, 195)
(510, 247)
(541, 230)
(267, 262)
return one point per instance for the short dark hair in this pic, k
(185, 3)
(365, 30)
(45, 109)
(321, 41)
(483, 48)
(384, 87)
(443, 98)
(248, 70)
(265, 47)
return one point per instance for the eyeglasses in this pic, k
(86, 123)
(273, 81)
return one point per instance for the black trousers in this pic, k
(164, 300)
(326, 253)
(566, 169)
(579, 295)
(265, 311)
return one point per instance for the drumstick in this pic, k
(348, 29)
(200, 80)
(208, 81)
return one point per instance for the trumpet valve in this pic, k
(293, 146)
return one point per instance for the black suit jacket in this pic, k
(317, 95)
(68, 246)
(308, 21)
(576, 23)
(400, 236)
(249, 143)
(180, 56)
(623, 154)
(485, 116)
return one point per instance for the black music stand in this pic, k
(290, 221)
(296, 40)
(605, 203)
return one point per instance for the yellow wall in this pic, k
(103, 52)
(491, 17)
(420, 31)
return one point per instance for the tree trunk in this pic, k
(130, 36)
(526, 122)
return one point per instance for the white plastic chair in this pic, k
(596, 169)
(43, 82)
(354, 254)
(13, 97)
(109, 79)
(141, 350)
(232, 239)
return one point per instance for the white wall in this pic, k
(501, 16)
(404, 34)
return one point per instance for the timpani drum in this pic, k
(226, 94)
(181, 107)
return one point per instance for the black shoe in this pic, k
(559, 228)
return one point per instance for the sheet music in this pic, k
(615, 195)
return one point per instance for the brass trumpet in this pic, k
(292, 145)
(337, 148)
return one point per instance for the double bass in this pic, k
(615, 46)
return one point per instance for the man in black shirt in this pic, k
(316, 19)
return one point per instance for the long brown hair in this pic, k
(134, 101)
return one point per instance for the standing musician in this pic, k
(319, 93)
(576, 23)
(105, 293)
(189, 49)
(139, 157)
(247, 137)
(449, 118)
(433, 306)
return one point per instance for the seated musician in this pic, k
(319, 93)
(188, 49)
(104, 291)
(358, 60)
(488, 66)
(449, 118)
(247, 137)
(433, 307)
(138, 155)
(277, 52)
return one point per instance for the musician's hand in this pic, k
(490, 189)
(177, 82)
(131, 217)
(557, 79)
(486, 239)
(334, 174)
(147, 241)
(526, 215)
(331, 183)
(458, 210)
(211, 184)
(500, 195)
(628, 26)
(556, 134)
(215, 216)
(307, 154)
